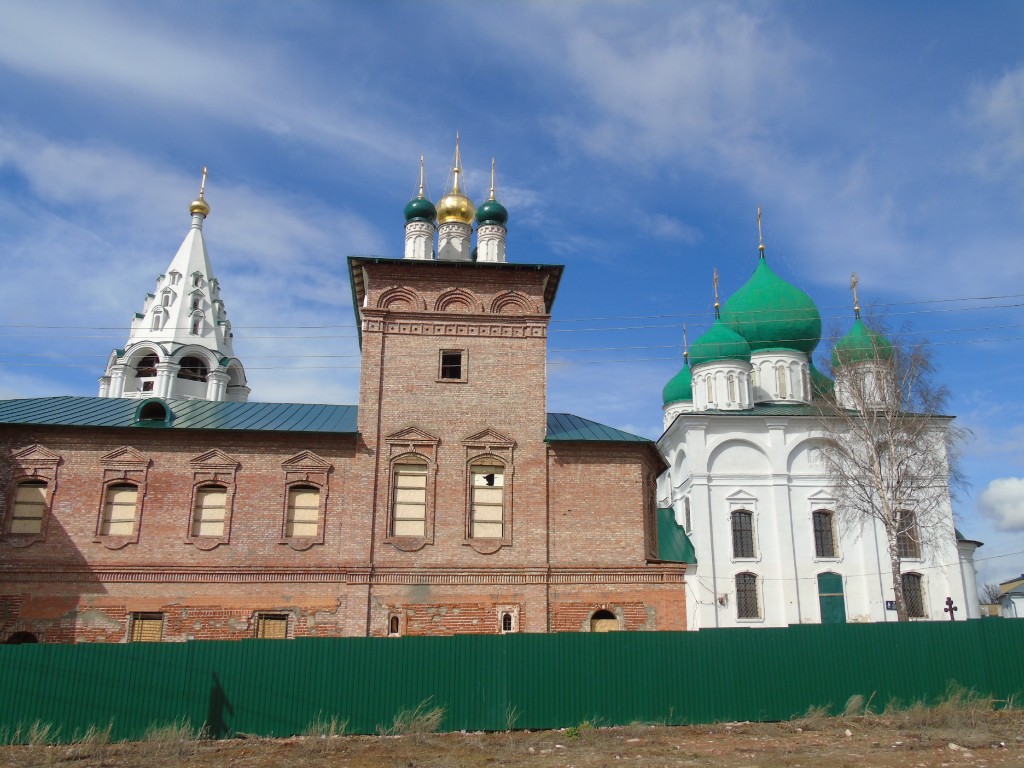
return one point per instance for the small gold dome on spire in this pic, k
(455, 206)
(199, 206)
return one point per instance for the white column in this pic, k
(165, 374)
(117, 380)
(216, 385)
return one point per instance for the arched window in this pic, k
(158, 319)
(197, 323)
(209, 511)
(732, 388)
(604, 621)
(782, 378)
(913, 595)
(709, 381)
(303, 516)
(146, 367)
(119, 510)
(908, 542)
(197, 300)
(193, 369)
(487, 502)
(29, 507)
(747, 606)
(409, 498)
(742, 533)
(19, 638)
(165, 299)
(506, 622)
(824, 538)
(154, 410)
(394, 626)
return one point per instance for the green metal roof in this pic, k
(566, 426)
(187, 414)
(674, 546)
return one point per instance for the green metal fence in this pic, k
(278, 688)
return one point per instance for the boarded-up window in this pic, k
(487, 504)
(746, 597)
(303, 511)
(208, 514)
(29, 507)
(119, 510)
(409, 516)
(604, 621)
(272, 627)
(147, 627)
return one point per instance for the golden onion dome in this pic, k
(199, 206)
(455, 206)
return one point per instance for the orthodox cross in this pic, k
(950, 609)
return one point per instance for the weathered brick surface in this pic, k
(579, 523)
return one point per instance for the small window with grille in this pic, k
(272, 626)
(147, 627)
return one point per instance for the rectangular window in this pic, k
(208, 515)
(272, 627)
(824, 541)
(119, 510)
(913, 597)
(488, 500)
(908, 545)
(410, 500)
(742, 534)
(746, 597)
(303, 511)
(147, 627)
(452, 368)
(29, 507)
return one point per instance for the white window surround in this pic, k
(759, 596)
(821, 501)
(742, 501)
(512, 610)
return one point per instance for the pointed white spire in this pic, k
(179, 345)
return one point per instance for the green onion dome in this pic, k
(821, 385)
(719, 343)
(860, 344)
(491, 212)
(420, 209)
(772, 314)
(679, 387)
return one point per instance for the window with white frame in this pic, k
(742, 533)
(824, 533)
(747, 605)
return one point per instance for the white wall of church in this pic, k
(764, 466)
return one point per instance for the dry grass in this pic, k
(321, 734)
(417, 722)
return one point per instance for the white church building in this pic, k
(741, 422)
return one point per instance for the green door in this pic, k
(830, 598)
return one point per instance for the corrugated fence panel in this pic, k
(280, 688)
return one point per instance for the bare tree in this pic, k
(990, 594)
(890, 453)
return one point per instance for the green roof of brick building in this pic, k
(674, 546)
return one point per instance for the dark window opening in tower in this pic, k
(193, 369)
(147, 367)
(451, 365)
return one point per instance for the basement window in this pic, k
(453, 367)
(272, 626)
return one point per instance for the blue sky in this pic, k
(633, 142)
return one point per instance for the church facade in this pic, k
(448, 501)
(745, 419)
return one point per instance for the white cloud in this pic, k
(998, 109)
(1003, 502)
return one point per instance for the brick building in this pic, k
(448, 501)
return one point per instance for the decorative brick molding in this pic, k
(411, 445)
(494, 446)
(31, 464)
(123, 466)
(213, 468)
(306, 469)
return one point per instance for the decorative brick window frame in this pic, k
(213, 468)
(407, 446)
(123, 466)
(31, 464)
(492, 445)
(305, 469)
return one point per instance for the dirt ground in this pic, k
(992, 739)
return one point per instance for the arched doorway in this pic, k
(604, 621)
(21, 637)
(830, 598)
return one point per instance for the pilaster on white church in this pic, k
(179, 344)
